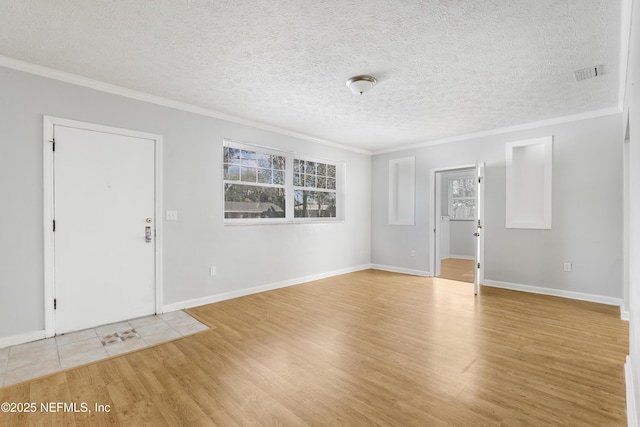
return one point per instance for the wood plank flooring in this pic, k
(458, 269)
(370, 348)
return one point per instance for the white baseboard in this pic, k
(471, 257)
(21, 338)
(624, 315)
(632, 414)
(400, 270)
(554, 292)
(257, 289)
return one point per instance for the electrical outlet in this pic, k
(567, 266)
(213, 271)
(413, 252)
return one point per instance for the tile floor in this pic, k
(26, 361)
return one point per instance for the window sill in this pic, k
(283, 222)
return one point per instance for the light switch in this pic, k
(172, 215)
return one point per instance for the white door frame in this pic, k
(48, 181)
(433, 215)
(478, 277)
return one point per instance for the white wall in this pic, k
(587, 210)
(245, 256)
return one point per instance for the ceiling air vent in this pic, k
(588, 73)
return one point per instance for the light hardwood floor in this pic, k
(367, 348)
(457, 269)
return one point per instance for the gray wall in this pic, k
(245, 256)
(462, 242)
(587, 210)
(632, 105)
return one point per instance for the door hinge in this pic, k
(55, 303)
(54, 225)
(53, 144)
(479, 180)
(478, 266)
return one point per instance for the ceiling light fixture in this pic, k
(361, 84)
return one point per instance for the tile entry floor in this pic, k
(26, 361)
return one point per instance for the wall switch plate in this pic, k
(567, 266)
(213, 271)
(172, 215)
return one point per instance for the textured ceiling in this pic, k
(444, 67)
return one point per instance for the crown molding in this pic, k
(77, 80)
(499, 131)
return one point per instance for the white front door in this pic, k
(104, 238)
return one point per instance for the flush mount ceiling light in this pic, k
(361, 84)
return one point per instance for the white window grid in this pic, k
(466, 204)
(332, 181)
(314, 181)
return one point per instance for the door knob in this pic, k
(476, 234)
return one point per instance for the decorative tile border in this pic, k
(118, 337)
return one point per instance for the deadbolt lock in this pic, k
(148, 220)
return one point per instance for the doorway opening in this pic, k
(457, 243)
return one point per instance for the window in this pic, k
(266, 185)
(462, 198)
(314, 186)
(254, 184)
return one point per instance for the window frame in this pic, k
(450, 197)
(289, 187)
(315, 188)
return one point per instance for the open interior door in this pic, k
(479, 234)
